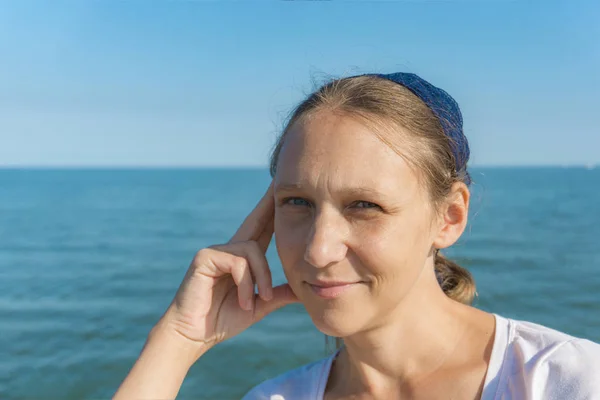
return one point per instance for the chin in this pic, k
(335, 323)
(336, 318)
(334, 329)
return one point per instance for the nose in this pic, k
(326, 240)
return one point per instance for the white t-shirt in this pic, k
(528, 362)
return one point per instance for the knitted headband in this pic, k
(445, 109)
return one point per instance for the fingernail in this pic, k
(268, 295)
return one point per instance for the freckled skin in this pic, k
(328, 234)
(349, 208)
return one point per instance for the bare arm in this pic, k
(215, 301)
(161, 367)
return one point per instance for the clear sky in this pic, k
(186, 83)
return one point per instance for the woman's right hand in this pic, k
(216, 299)
(214, 302)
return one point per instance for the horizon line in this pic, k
(250, 166)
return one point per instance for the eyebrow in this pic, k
(350, 191)
(288, 187)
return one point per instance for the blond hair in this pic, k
(391, 108)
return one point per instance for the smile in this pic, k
(331, 290)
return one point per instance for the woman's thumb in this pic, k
(282, 296)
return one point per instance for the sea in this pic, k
(91, 258)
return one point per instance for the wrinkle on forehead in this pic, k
(335, 151)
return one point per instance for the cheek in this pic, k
(378, 249)
(290, 238)
(392, 249)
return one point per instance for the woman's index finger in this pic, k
(264, 238)
(259, 219)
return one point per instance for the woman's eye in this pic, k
(365, 204)
(296, 201)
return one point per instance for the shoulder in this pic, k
(541, 344)
(305, 382)
(551, 363)
(573, 370)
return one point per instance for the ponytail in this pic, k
(456, 281)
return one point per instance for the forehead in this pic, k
(338, 150)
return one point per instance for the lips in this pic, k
(331, 289)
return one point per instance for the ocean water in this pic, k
(89, 260)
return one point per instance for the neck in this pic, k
(413, 341)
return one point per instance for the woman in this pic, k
(369, 183)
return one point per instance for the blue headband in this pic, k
(445, 109)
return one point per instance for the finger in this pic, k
(260, 270)
(264, 240)
(255, 223)
(282, 296)
(239, 269)
(244, 282)
(259, 266)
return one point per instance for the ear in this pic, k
(453, 216)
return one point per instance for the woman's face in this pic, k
(353, 225)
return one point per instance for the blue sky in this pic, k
(195, 83)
